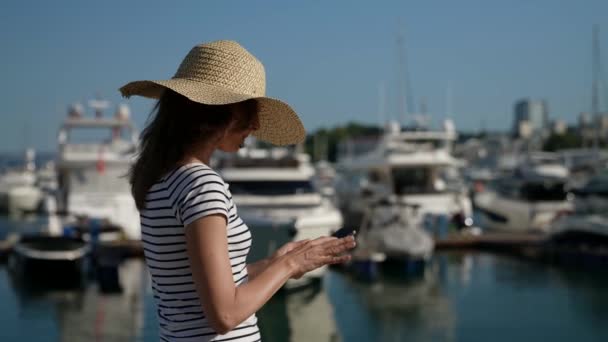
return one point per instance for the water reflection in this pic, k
(515, 299)
(82, 314)
(304, 314)
(393, 309)
(581, 293)
(20, 225)
(461, 297)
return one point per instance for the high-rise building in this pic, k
(584, 120)
(535, 112)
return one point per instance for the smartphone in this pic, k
(343, 232)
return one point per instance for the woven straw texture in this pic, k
(223, 72)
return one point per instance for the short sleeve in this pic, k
(202, 193)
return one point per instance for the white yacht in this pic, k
(593, 196)
(416, 167)
(529, 199)
(94, 156)
(18, 191)
(276, 185)
(589, 221)
(391, 232)
(589, 229)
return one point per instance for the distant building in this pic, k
(585, 129)
(589, 127)
(524, 129)
(603, 127)
(535, 112)
(584, 120)
(559, 127)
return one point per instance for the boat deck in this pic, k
(124, 248)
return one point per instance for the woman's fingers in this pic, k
(323, 239)
(310, 255)
(340, 259)
(336, 259)
(339, 245)
(332, 252)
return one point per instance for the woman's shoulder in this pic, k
(191, 171)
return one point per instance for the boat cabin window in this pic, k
(375, 176)
(597, 185)
(414, 180)
(531, 191)
(506, 188)
(413, 145)
(429, 143)
(547, 191)
(270, 188)
(95, 135)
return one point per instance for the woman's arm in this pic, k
(227, 305)
(257, 267)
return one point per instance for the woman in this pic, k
(195, 243)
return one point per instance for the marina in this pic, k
(426, 231)
(460, 148)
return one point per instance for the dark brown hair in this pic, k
(178, 123)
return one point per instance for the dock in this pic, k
(489, 241)
(532, 246)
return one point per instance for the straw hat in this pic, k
(223, 72)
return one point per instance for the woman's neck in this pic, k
(200, 152)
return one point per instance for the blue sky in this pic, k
(326, 58)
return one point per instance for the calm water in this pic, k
(462, 297)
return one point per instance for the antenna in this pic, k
(595, 86)
(381, 105)
(423, 106)
(402, 79)
(423, 117)
(98, 105)
(448, 101)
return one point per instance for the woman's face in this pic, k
(238, 130)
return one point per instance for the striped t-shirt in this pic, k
(184, 195)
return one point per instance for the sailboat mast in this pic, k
(448, 101)
(402, 79)
(381, 106)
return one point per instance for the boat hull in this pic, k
(429, 205)
(24, 199)
(507, 214)
(50, 261)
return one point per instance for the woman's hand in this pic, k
(286, 248)
(306, 256)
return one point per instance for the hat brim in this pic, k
(279, 123)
